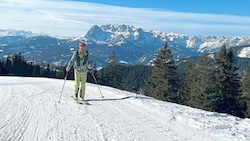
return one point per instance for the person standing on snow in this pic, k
(81, 63)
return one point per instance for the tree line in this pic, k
(17, 65)
(210, 83)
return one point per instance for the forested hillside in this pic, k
(213, 82)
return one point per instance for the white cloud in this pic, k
(71, 18)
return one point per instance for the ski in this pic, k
(81, 102)
(85, 103)
(77, 101)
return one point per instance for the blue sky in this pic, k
(73, 18)
(240, 7)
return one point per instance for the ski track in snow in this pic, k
(29, 110)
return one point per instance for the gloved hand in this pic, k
(67, 69)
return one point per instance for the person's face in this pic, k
(82, 47)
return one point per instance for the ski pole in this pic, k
(92, 72)
(63, 86)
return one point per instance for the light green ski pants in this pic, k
(80, 77)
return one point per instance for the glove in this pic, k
(67, 69)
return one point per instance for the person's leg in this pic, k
(76, 85)
(83, 77)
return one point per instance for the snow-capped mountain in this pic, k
(11, 32)
(132, 45)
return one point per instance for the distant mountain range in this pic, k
(132, 45)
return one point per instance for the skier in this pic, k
(81, 63)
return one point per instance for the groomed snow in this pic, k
(30, 111)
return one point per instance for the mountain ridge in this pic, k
(132, 44)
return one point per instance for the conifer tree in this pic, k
(19, 66)
(246, 92)
(112, 60)
(228, 84)
(4, 68)
(37, 70)
(198, 84)
(134, 77)
(186, 82)
(111, 75)
(8, 65)
(163, 84)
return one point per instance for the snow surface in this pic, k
(29, 111)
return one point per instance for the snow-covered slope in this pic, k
(29, 110)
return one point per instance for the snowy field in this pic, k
(29, 111)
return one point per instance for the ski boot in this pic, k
(81, 96)
(75, 96)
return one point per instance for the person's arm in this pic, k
(71, 62)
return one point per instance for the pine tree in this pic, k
(228, 84)
(8, 65)
(198, 84)
(245, 101)
(112, 60)
(134, 77)
(37, 70)
(163, 84)
(111, 75)
(186, 84)
(19, 66)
